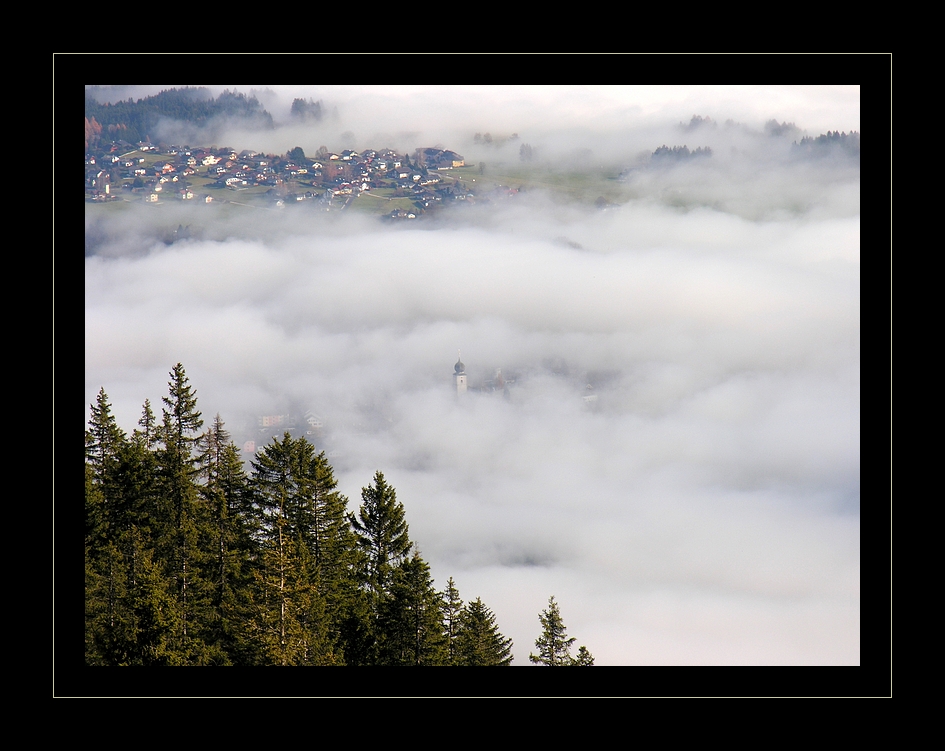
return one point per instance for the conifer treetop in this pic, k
(554, 644)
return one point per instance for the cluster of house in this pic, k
(297, 425)
(168, 177)
(289, 177)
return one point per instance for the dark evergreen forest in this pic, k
(831, 143)
(135, 120)
(679, 153)
(192, 560)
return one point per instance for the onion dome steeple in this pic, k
(459, 376)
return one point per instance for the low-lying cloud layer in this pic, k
(677, 458)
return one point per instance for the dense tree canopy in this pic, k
(134, 120)
(830, 144)
(666, 155)
(410, 618)
(478, 641)
(306, 109)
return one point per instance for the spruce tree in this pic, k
(109, 515)
(131, 614)
(182, 420)
(92, 502)
(382, 533)
(130, 608)
(478, 641)
(554, 645)
(276, 485)
(306, 574)
(383, 543)
(103, 437)
(182, 520)
(410, 629)
(280, 602)
(104, 441)
(452, 609)
(584, 658)
(332, 547)
(148, 425)
(228, 500)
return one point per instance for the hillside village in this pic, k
(153, 173)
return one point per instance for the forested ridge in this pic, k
(192, 560)
(135, 120)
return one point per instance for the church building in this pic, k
(459, 376)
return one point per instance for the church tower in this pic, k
(459, 376)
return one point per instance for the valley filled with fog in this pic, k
(662, 426)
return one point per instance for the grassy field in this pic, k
(380, 201)
(580, 184)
